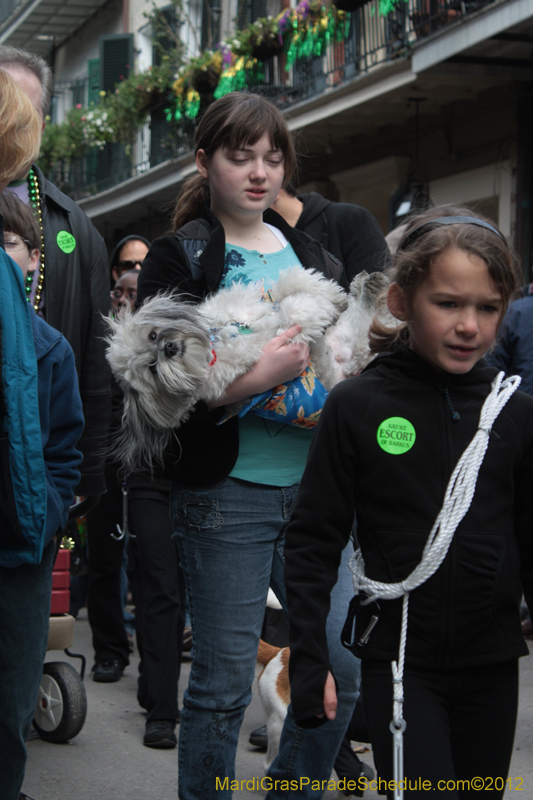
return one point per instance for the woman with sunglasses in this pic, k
(128, 254)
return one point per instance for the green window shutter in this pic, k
(166, 41)
(93, 69)
(78, 93)
(116, 59)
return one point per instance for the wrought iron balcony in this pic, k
(373, 41)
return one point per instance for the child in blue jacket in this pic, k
(40, 423)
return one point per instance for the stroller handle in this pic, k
(83, 507)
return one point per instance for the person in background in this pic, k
(41, 423)
(107, 527)
(159, 607)
(513, 353)
(353, 235)
(128, 254)
(158, 583)
(124, 292)
(70, 287)
(348, 231)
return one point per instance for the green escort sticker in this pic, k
(66, 241)
(396, 435)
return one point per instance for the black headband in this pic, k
(415, 234)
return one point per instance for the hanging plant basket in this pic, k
(267, 49)
(205, 80)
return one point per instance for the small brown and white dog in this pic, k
(275, 693)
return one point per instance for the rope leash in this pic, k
(457, 501)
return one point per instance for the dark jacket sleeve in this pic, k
(316, 536)
(502, 356)
(95, 375)
(166, 268)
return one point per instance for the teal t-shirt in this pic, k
(269, 452)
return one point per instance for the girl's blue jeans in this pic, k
(230, 538)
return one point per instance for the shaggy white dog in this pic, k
(170, 354)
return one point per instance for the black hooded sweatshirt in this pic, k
(348, 231)
(467, 613)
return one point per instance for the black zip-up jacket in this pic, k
(467, 613)
(202, 452)
(76, 289)
(348, 231)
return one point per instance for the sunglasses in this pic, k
(125, 266)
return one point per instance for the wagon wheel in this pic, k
(62, 703)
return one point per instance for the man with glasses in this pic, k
(69, 287)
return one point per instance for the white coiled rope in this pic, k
(457, 500)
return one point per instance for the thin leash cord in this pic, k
(457, 501)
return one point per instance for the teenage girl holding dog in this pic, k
(234, 484)
(386, 445)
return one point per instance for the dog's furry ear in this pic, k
(139, 445)
(356, 286)
(373, 286)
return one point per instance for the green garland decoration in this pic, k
(387, 6)
(240, 75)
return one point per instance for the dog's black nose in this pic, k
(171, 348)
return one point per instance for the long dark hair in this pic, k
(236, 120)
(415, 256)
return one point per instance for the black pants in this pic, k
(104, 603)
(460, 727)
(159, 606)
(348, 764)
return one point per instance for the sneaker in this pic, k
(108, 670)
(160, 733)
(24, 797)
(259, 737)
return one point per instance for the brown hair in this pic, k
(237, 119)
(19, 219)
(20, 130)
(415, 255)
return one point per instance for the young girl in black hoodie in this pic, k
(387, 444)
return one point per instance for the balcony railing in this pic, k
(373, 40)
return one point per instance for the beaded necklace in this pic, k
(35, 200)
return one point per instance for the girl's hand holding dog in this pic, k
(281, 361)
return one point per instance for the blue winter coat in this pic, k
(39, 460)
(514, 352)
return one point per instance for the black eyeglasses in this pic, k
(125, 266)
